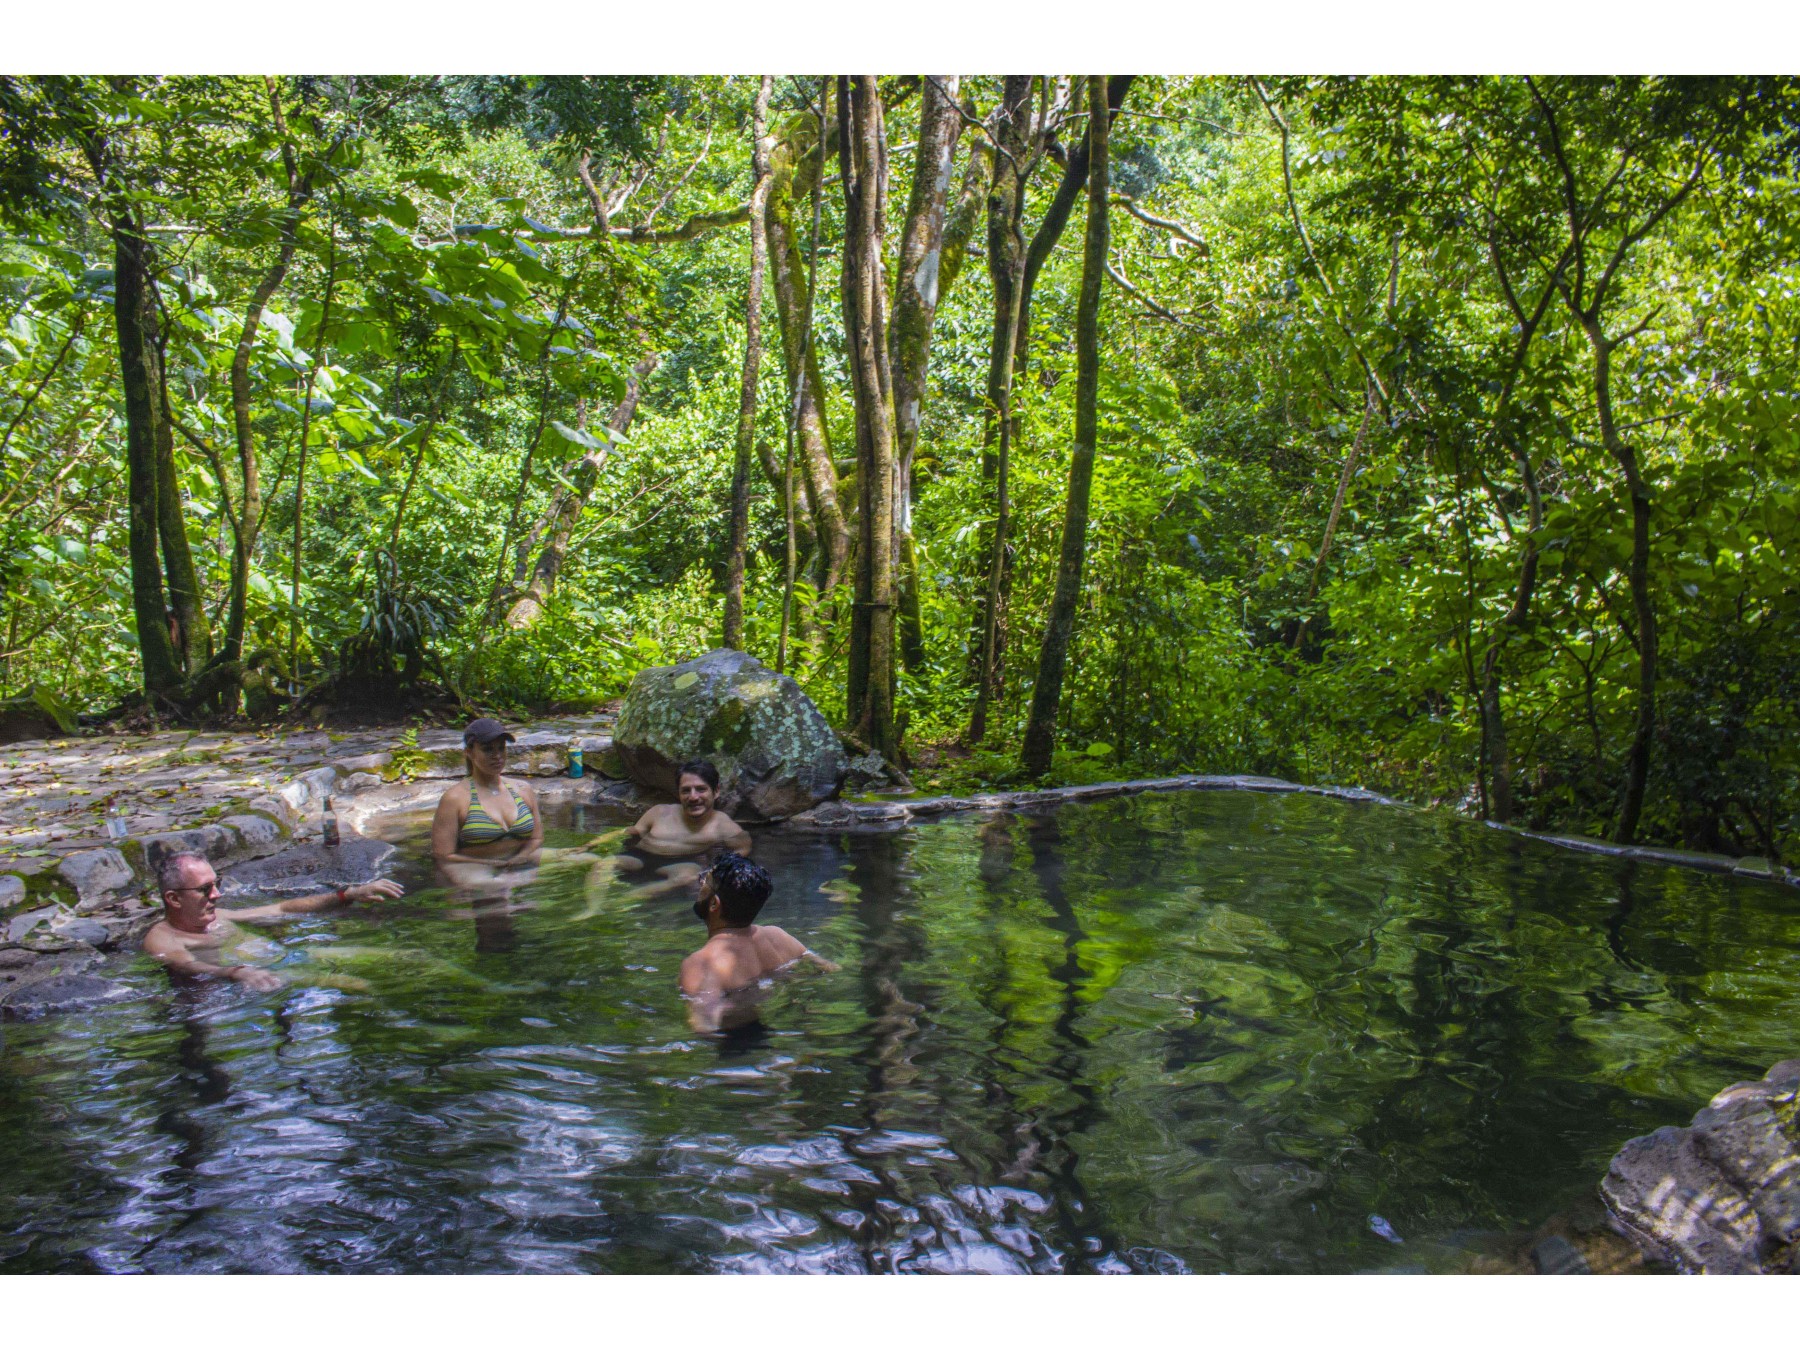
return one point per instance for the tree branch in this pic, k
(1174, 227)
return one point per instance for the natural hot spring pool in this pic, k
(1205, 1031)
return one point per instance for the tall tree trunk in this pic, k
(916, 292)
(1006, 270)
(1499, 757)
(1043, 242)
(496, 593)
(312, 376)
(250, 499)
(1637, 759)
(746, 429)
(565, 509)
(795, 175)
(1046, 694)
(426, 431)
(192, 638)
(1056, 215)
(870, 690)
(133, 313)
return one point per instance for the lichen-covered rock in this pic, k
(775, 752)
(1721, 1197)
(12, 890)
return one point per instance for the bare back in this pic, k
(737, 958)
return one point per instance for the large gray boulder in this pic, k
(775, 752)
(1721, 1197)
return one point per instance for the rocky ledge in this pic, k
(1721, 1197)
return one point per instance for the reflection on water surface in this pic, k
(1207, 1032)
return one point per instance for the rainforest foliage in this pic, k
(1437, 435)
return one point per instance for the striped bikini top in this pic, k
(481, 828)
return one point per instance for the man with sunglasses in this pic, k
(192, 930)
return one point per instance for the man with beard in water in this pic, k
(738, 952)
(693, 824)
(192, 929)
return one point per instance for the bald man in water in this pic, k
(192, 929)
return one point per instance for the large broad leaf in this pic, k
(55, 709)
(435, 181)
(577, 437)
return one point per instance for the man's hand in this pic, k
(375, 890)
(255, 977)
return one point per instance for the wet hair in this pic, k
(169, 868)
(701, 769)
(742, 887)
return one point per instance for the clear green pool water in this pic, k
(1204, 1031)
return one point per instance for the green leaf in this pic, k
(55, 709)
(1098, 750)
(576, 437)
(687, 681)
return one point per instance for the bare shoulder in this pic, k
(525, 790)
(700, 970)
(778, 940)
(455, 797)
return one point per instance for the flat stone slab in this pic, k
(310, 867)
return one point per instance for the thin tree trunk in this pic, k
(797, 381)
(746, 429)
(1345, 475)
(796, 170)
(492, 611)
(559, 521)
(75, 327)
(1637, 760)
(425, 435)
(1006, 271)
(250, 499)
(870, 688)
(1046, 694)
(916, 291)
(1056, 215)
(192, 636)
(312, 376)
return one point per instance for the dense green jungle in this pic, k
(1436, 435)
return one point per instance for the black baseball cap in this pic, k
(485, 729)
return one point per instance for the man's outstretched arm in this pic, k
(312, 904)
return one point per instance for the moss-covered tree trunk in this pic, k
(1006, 271)
(869, 693)
(192, 636)
(1059, 629)
(746, 428)
(916, 293)
(794, 171)
(133, 312)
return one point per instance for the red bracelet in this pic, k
(343, 895)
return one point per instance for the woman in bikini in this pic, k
(486, 824)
